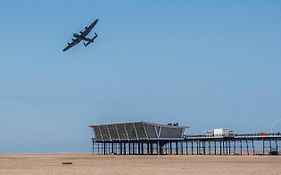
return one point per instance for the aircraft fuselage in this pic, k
(81, 37)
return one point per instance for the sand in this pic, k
(86, 164)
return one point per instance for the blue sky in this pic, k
(204, 64)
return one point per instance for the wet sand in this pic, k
(87, 164)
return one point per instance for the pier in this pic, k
(142, 138)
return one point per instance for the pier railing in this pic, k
(235, 136)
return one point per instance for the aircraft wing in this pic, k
(73, 43)
(88, 29)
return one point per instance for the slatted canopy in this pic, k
(136, 131)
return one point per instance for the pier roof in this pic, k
(137, 131)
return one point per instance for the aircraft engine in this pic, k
(68, 43)
(73, 39)
(86, 27)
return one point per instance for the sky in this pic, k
(203, 64)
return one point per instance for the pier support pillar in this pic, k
(215, 142)
(234, 147)
(181, 143)
(197, 147)
(125, 149)
(241, 148)
(209, 144)
(192, 147)
(220, 148)
(253, 147)
(93, 148)
(247, 146)
(139, 152)
(203, 148)
(276, 143)
(177, 148)
(104, 148)
(151, 148)
(186, 147)
(229, 147)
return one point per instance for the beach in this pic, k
(86, 164)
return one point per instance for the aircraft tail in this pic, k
(86, 44)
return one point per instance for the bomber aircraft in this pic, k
(82, 36)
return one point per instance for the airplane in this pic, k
(82, 37)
